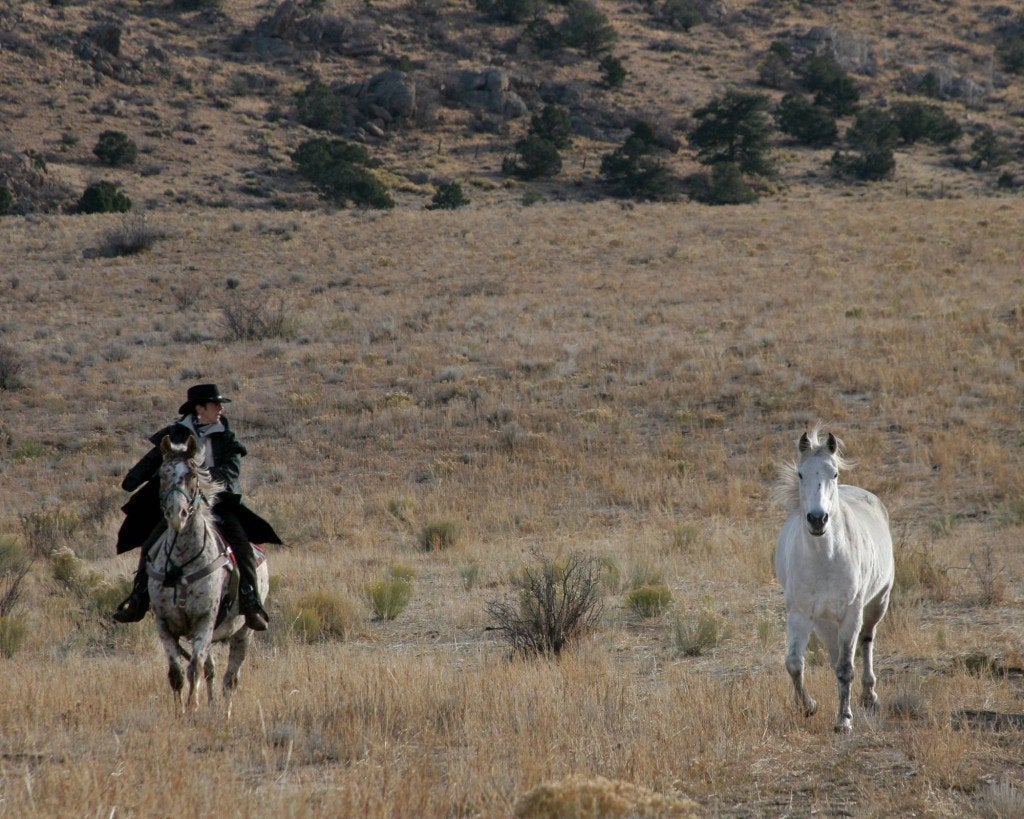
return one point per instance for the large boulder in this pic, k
(389, 96)
(489, 90)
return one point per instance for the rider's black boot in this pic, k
(135, 606)
(256, 616)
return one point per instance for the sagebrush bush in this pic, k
(133, 236)
(12, 365)
(558, 602)
(103, 197)
(254, 319)
(49, 530)
(468, 574)
(116, 149)
(578, 797)
(389, 596)
(649, 601)
(697, 635)
(439, 535)
(322, 615)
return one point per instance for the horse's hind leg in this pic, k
(874, 611)
(236, 656)
(798, 631)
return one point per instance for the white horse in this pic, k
(189, 572)
(834, 561)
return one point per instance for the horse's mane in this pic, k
(206, 484)
(786, 489)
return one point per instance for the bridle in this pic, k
(174, 574)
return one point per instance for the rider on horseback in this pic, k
(240, 526)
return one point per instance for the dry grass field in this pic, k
(616, 381)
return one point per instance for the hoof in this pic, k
(870, 703)
(810, 708)
(844, 726)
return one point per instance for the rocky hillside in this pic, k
(218, 95)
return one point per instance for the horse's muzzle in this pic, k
(816, 522)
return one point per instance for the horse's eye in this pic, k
(835, 477)
(800, 475)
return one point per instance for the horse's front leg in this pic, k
(873, 613)
(842, 662)
(798, 631)
(175, 673)
(200, 653)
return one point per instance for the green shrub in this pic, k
(873, 136)
(317, 106)
(697, 636)
(649, 601)
(681, 15)
(103, 197)
(613, 73)
(535, 157)
(807, 123)
(1010, 51)
(511, 11)
(776, 69)
(557, 603)
(988, 151)
(724, 185)
(439, 535)
(115, 149)
(552, 124)
(587, 28)
(468, 574)
(389, 597)
(336, 169)
(832, 86)
(12, 634)
(632, 170)
(6, 200)
(448, 196)
(544, 35)
(197, 5)
(734, 128)
(919, 120)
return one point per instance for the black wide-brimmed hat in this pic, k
(202, 394)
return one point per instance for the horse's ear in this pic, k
(832, 443)
(190, 447)
(165, 445)
(805, 443)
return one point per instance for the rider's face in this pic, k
(208, 413)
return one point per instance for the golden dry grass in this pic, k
(621, 381)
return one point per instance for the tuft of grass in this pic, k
(649, 601)
(581, 796)
(918, 571)
(469, 573)
(401, 571)
(12, 365)
(389, 596)
(12, 634)
(439, 535)
(1000, 800)
(49, 530)
(697, 635)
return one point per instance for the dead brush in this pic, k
(559, 601)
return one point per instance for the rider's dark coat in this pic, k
(142, 512)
